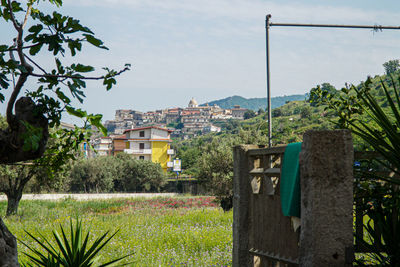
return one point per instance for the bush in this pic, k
(93, 175)
(216, 164)
(119, 173)
(139, 175)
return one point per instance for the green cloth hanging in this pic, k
(290, 181)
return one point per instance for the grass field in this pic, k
(186, 231)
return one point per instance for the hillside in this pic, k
(293, 119)
(254, 103)
(289, 122)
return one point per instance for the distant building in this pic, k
(211, 128)
(238, 113)
(150, 143)
(193, 103)
(118, 144)
(103, 146)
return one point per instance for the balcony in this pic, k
(170, 152)
(138, 151)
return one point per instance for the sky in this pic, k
(212, 49)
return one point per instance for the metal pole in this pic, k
(270, 24)
(267, 23)
(372, 27)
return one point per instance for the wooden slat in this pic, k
(273, 172)
(257, 171)
(267, 151)
(270, 172)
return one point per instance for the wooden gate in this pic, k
(262, 236)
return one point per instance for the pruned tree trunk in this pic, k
(13, 202)
(12, 139)
(8, 247)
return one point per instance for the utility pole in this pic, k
(267, 24)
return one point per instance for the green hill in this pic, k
(293, 119)
(289, 122)
(254, 103)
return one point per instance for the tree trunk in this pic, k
(12, 139)
(13, 202)
(8, 247)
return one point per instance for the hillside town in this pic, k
(185, 122)
(148, 135)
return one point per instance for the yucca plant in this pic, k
(73, 250)
(359, 111)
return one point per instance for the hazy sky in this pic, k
(212, 49)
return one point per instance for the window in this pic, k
(141, 145)
(141, 157)
(141, 134)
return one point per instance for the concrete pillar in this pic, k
(326, 175)
(241, 194)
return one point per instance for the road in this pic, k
(90, 196)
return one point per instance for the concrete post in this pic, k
(326, 175)
(241, 194)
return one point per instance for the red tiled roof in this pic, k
(119, 137)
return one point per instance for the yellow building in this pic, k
(150, 143)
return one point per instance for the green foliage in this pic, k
(93, 175)
(38, 31)
(197, 235)
(326, 88)
(358, 109)
(277, 112)
(305, 113)
(136, 175)
(249, 114)
(72, 251)
(255, 103)
(391, 66)
(382, 224)
(119, 173)
(215, 164)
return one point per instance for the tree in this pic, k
(139, 175)
(216, 163)
(30, 115)
(94, 175)
(305, 112)
(391, 66)
(326, 88)
(277, 112)
(13, 179)
(249, 114)
(27, 134)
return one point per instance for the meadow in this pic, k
(179, 231)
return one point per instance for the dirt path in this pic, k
(90, 196)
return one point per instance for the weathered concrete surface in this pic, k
(90, 196)
(326, 174)
(241, 195)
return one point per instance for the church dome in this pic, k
(193, 103)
